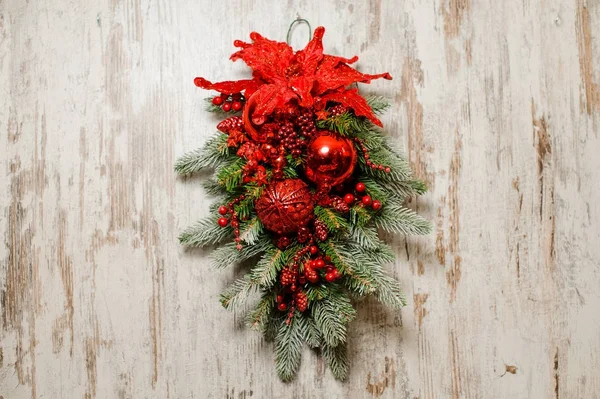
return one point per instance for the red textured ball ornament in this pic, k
(285, 206)
(330, 159)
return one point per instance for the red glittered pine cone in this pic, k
(321, 231)
(285, 206)
(229, 124)
(301, 301)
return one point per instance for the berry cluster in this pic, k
(290, 140)
(366, 156)
(306, 123)
(338, 110)
(229, 102)
(234, 219)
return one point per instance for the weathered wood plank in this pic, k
(497, 104)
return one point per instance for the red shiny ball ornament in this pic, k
(285, 206)
(313, 249)
(223, 222)
(217, 100)
(282, 307)
(360, 187)
(279, 298)
(330, 159)
(376, 205)
(367, 200)
(226, 106)
(330, 277)
(236, 105)
(348, 198)
(223, 210)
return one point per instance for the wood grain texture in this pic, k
(496, 102)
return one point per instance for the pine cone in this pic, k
(301, 301)
(229, 124)
(288, 276)
(321, 231)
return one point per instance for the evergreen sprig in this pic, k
(211, 155)
(205, 232)
(288, 346)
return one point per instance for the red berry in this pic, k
(319, 264)
(312, 277)
(328, 258)
(388, 170)
(217, 100)
(336, 273)
(223, 222)
(360, 187)
(366, 200)
(226, 106)
(236, 105)
(223, 210)
(293, 287)
(376, 205)
(313, 249)
(279, 298)
(330, 277)
(348, 198)
(282, 307)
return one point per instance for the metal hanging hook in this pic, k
(297, 21)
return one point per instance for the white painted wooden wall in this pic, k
(497, 103)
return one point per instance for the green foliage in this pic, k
(332, 219)
(214, 152)
(267, 268)
(258, 318)
(230, 175)
(378, 104)
(251, 230)
(396, 218)
(228, 255)
(332, 315)
(237, 292)
(205, 232)
(288, 346)
(337, 359)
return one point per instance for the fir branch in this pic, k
(228, 254)
(316, 292)
(337, 360)
(230, 176)
(258, 318)
(332, 315)
(399, 168)
(333, 220)
(314, 338)
(331, 249)
(212, 187)
(210, 155)
(205, 232)
(251, 230)
(237, 292)
(288, 347)
(395, 218)
(267, 268)
(378, 104)
(272, 325)
(364, 236)
(389, 292)
(359, 215)
(346, 124)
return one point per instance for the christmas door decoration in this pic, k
(305, 180)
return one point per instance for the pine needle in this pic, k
(211, 155)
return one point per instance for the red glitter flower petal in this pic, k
(352, 99)
(229, 86)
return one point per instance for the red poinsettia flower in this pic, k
(307, 76)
